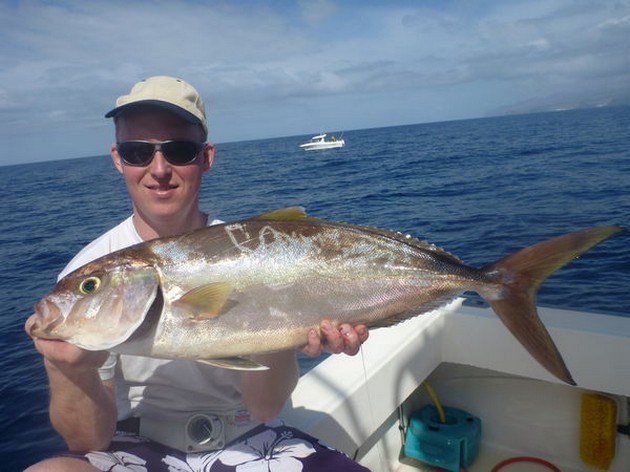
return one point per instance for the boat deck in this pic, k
(484, 462)
(466, 355)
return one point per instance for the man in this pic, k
(162, 154)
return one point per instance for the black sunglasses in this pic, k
(177, 152)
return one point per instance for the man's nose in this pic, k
(159, 165)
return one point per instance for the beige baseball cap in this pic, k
(175, 95)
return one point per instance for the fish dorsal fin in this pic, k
(234, 363)
(425, 246)
(299, 213)
(407, 239)
(289, 213)
(206, 301)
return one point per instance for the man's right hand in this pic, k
(65, 356)
(82, 407)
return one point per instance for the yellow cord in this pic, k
(436, 401)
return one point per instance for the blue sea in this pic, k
(479, 188)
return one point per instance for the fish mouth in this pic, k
(47, 316)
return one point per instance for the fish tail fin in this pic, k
(521, 274)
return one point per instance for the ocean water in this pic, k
(478, 188)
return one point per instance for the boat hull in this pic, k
(324, 145)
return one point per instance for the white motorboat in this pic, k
(363, 405)
(320, 142)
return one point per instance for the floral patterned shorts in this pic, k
(271, 447)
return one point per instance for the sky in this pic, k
(282, 68)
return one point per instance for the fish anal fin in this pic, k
(206, 301)
(393, 320)
(439, 301)
(234, 363)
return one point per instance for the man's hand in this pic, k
(65, 356)
(345, 338)
(82, 407)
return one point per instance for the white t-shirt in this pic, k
(165, 389)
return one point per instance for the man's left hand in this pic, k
(345, 338)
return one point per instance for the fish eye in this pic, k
(89, 285)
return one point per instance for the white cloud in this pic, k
(315, 11)
(62, 63)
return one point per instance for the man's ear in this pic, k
(113, 152)
(208, 156)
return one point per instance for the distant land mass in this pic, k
(558, 103)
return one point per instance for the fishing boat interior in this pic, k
(453, 390)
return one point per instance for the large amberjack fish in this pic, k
(259, 285)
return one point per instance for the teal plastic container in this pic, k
(450, 445)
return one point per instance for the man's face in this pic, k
(161, 191)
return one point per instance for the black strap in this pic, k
(130, 425)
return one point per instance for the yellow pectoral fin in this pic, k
(234, 363)
(205, 302)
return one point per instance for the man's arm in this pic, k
(266, 392)
(82, 406)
